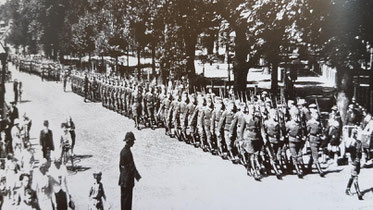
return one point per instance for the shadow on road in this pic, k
(367, 190)
(25, 101)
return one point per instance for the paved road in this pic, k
(175, 175)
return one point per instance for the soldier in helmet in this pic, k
(189, 117)
(333, 134)
(252, 139)
(354, 146)
(294, 133)
(314, 131)
(172, 113)
(274, 140)
(206, 121)
(150, 102)
(136, 106)
(236, 130)
(181, 115)
(199, 125)
(216, 115)
(225, 124)
(163, 112)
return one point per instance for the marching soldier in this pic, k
(314, 131)
(181, 113)
(225, 125)
(191, 107)
(172, 114)
(236, 130)
(274, 140)
(206, 121)
(200, 128)
(215, 118)
(163, 112)
(149, 100)
(355, 148)
(136, 106)
(252, 139)
(332, 134)
(294, 132)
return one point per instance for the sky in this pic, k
(2, 2)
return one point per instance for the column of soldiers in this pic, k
(266, 135)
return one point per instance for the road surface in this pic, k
(174, 175)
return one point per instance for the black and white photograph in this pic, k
(186, 104)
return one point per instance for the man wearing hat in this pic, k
(128, 172)
(16, 137)
(351, 116)
(46, 140)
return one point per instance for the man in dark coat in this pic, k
(128, 172)
(14, 112)
(46, 140)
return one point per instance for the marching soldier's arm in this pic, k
(194, 117)
(222, 121)
(242, 128)
(213, 116)
(233, 125)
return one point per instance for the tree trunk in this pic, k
(274, 78)
(138, 63)
(240, 67)
(153, 58)
(190, 50)
(128, 57)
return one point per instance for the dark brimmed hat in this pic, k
(129, 136)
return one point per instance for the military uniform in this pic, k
(295, 135)
(314, 131)
(215, 118)
(356, 154)
(225, 125)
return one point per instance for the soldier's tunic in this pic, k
(251, 134)
(172, 114)
(314, 131)
(294, 132)
(273, 132)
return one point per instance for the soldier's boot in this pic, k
(256, 168)
(319, 169)
(308, 170)
(297, 169)
(275, 168)
(358, 192)
(349, 184)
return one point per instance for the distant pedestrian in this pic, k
(15, 90)
(14, 114)
(96, 193)
(128, 172)
(46, 140)
(86, 81)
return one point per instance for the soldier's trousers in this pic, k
(315, 151)
(296, 151)
(219, 141)
(208, 135)
(150, 113)
(202, 134)
(228, 141)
